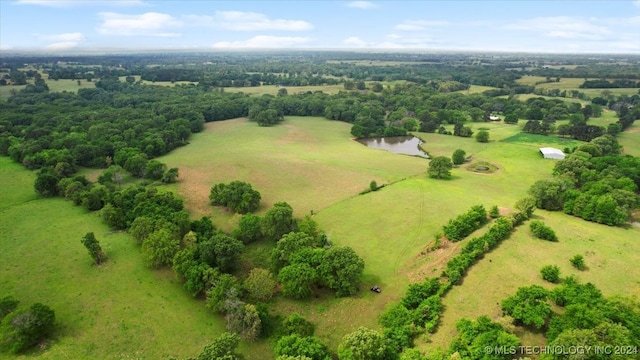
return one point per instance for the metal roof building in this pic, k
(552, 153)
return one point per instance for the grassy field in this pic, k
(608, 252)
(273, 89)
(311, 163)
(476, 89)
(388, 228)
(630, 140)
(572, 84)
(120, 310)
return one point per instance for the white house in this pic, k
(552, 153)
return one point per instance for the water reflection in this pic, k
(406, 145)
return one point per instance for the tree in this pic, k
(364, 344)
(528, 306)
(297, 280)
(154, 170)
(260, 284)
(511, 118)
(482, 136)
(278, 221)
(526, 206)
(440, 167)
(458, 157)
(297, 345)
(91, 243)
(550, 273)
(341, 269)
(474, 337)
(220, 251)
(7, 305)
(548, 194)
(578, 262)
(223, 286)
(296, 324)
(248, 229)
(223, 347)
(288, 245)
(46, 183)
(22, 329)
(494, 212)
(170, 176)
(237, 196)
(160, 247)
(245, 321)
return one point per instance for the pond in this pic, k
(406, 145)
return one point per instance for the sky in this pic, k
(575, 26)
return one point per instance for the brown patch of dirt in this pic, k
(194, 188)
(295, 135)
(504, 210)
(430, 263)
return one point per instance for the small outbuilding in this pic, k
(552, 153)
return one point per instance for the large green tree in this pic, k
(528, 306)
(278, 221)
(237, 196)
(364, 344)
(21, 329)
(440, 167)
(341, 269)
(223, 347)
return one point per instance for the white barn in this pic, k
(552, 153)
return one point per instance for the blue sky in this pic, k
(574, 26)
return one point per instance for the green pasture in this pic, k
(273, 89)
(610, 254)
(120, 310)
(311, 163)
(476, 89)
(630, 140)
(570, 84)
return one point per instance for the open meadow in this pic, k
(391, 227)
(119, 310)
(124, 310)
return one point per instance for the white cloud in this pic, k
(74, 37)
(362, 5)
(62, 41)
(636, 3)
(246, 21)
(76, 3)
(418, 25)
(355, 41)
(65, 45)
(562, 27)
(263, 42)
(147, 24)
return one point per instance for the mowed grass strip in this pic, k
(120, 310)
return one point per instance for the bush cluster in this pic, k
(460, 227)
(542, 231)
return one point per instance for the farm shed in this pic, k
(552, 153)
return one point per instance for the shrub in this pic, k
(494, 212)
(542, 231)
(550, 273)
(458, 157)
(578, 262)
(460, 227)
